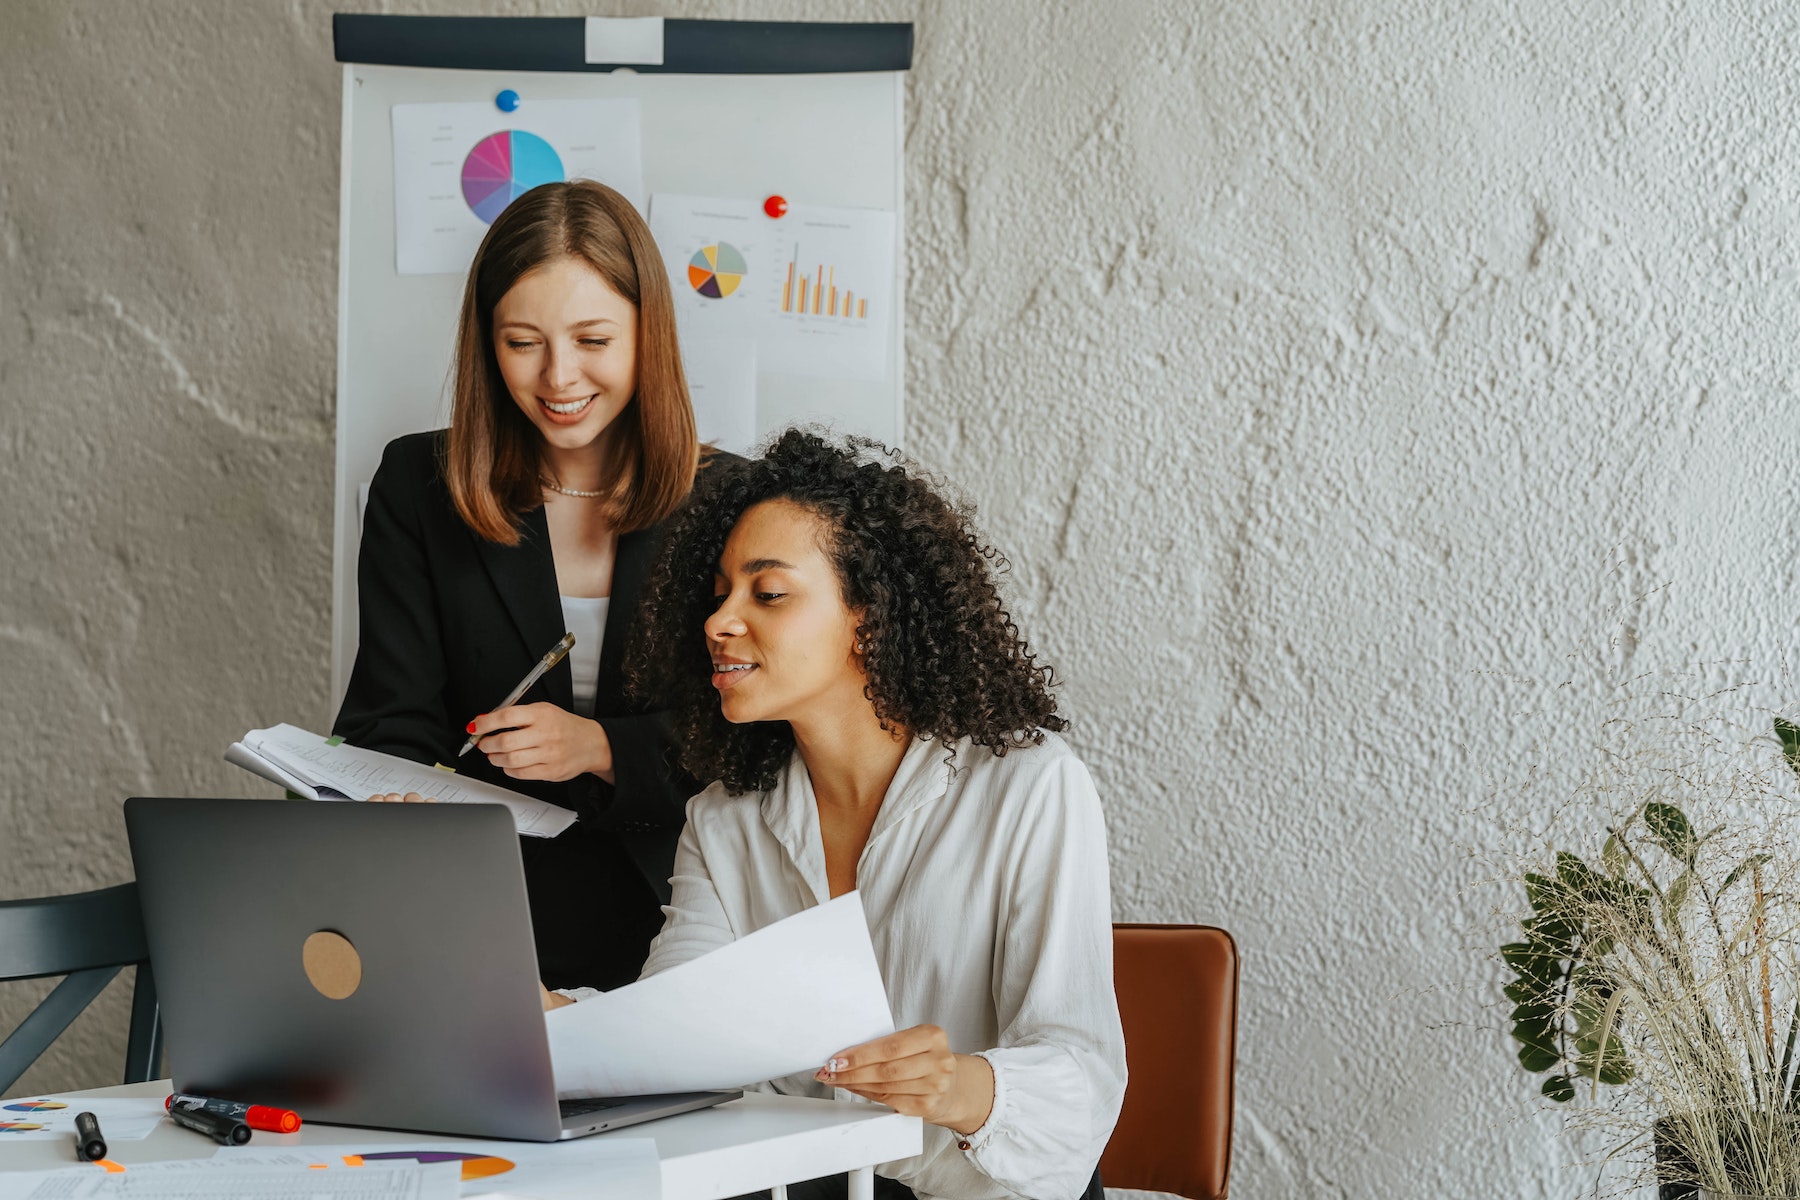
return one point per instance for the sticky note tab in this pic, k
(442, 767)
(334, 741)
(625, 40)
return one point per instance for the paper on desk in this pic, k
(309, 764)
(50, 1118)
(618, 1168)
(773, 1003)
(205, 1179)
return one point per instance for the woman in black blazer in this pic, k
(571, 441)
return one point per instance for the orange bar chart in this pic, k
(816, 293)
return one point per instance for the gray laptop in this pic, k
(361, 964)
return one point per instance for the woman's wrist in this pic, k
(972, 1095)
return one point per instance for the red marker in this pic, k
(775, 206)
(256, 1116)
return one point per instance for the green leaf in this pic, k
(1677, 896)
(1789, 733)
(1580, 878)
(1612, 857)
(1742, 867)
(1669, 827)
(1542, 892)
(1559, 1089)
(1521, 991)
(1615, 1071)
(1534, 1012)
(1551, 934)
(1535, 1058)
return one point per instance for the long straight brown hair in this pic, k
(494, 460)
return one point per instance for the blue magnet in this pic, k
(507, 101)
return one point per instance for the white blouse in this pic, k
(986, 889)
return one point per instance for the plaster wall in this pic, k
(1315, 365)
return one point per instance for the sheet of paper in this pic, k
(618, 1168)
(207, 1179)
(721, 379)
(342, 772)
(457, 166)
(813, 288)
(52, 1118)
(774, 1002)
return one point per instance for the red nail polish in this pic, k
(471, 727)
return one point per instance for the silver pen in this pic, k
(544, 664)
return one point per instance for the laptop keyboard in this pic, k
(581, 1108)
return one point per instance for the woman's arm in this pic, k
(395, 699)
(694, 920)
(1034, 1112)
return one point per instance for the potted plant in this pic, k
(1664, 970)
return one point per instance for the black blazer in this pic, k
(449, 624)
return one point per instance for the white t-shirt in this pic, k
(585, 617)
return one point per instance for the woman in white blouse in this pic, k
(829, 633)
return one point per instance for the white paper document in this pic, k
(617, 1168)
(313, 766)
(457, 166)
(207, 1179)
(814, 288)
(773, 1003)
(52, 1118)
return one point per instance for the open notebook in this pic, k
(322, 768)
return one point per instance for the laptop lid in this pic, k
(362, 964)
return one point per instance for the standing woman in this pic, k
(537, 512)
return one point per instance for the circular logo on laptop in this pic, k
(332, 965)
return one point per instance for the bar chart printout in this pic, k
(818, 293)
(813, 289)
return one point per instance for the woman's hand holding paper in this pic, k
(914, 1072)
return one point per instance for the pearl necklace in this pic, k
(576, 492)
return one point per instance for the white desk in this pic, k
(747, 1145)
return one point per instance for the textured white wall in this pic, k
(1309, 360)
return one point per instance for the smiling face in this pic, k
(566, 343)
(782, 639)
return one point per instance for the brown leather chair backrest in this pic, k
(1177, 987)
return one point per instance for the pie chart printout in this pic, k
(717, 270)
(35, 1106)
(474, 1166)
(504, 166)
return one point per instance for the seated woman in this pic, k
(840, 661)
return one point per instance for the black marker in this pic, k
(89, 1145)
(226, 1131)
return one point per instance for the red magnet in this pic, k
(775, 206)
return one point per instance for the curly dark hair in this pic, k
(942, 654)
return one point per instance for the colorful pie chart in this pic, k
(717, 270)
(504, 166)
(34, 1106)
(474, 1166)
(19, 1126)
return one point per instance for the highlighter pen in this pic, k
(226, 1131)
(550, 659)
(89, 1145)
(256, 1116)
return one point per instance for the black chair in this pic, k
(87, 937)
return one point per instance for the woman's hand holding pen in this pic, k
(543, 741)
(914, 1072)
